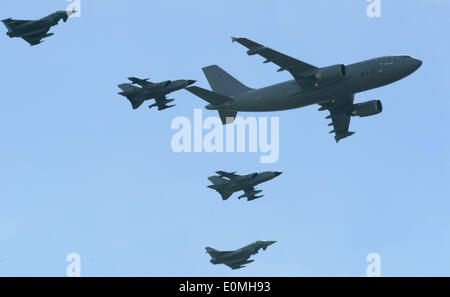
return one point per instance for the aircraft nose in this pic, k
(277, 173)
(270, 242)
(191, 82)
(417, 63)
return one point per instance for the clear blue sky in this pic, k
(81, 172)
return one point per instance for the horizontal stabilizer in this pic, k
(210, 97)
(135, 104)
(226, 195)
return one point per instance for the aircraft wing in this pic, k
(299, 69)
(36, 39)
(238, 265)
(141, 82)
(13, 25)
(340, 109)
(215, 254)
(17, 25)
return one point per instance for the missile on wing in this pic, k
(162, 102)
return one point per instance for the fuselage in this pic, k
(359, 77)
(242, 253)
(250, 180)
(156, 90)
(29, 28)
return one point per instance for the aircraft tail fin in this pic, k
(217, 180)
(128, 87)
(210, 249)
(212, 252)
(223, 83)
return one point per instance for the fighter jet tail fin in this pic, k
(223, 83)
(217, 180)
(210, 249)
(128, 87)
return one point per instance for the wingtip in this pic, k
(339, 138)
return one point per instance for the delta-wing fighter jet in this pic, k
(238, 258)
(333, 87)
(148, 90)
(34, 31)
(227, 183)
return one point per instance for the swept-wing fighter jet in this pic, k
(238, 258)
(34, 31)
(149, 90)
(227, 183)
(333, 87)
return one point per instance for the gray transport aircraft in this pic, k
(333, 87)
(227, 183)
(34, 31)
(149, 90)
(238, 258)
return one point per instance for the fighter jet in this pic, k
(34, 31)
(149, 90)
(228, 183)
(238, 258)
(332, 87)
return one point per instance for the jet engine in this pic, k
(331, 73)
(367, 109)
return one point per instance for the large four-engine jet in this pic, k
(34, 31)
(238, 258)
(149, 90)
(227, 183)
(333, 87)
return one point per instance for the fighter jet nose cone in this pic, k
(270, 242)
(277, 173)
(418, 63)
(191, 82)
